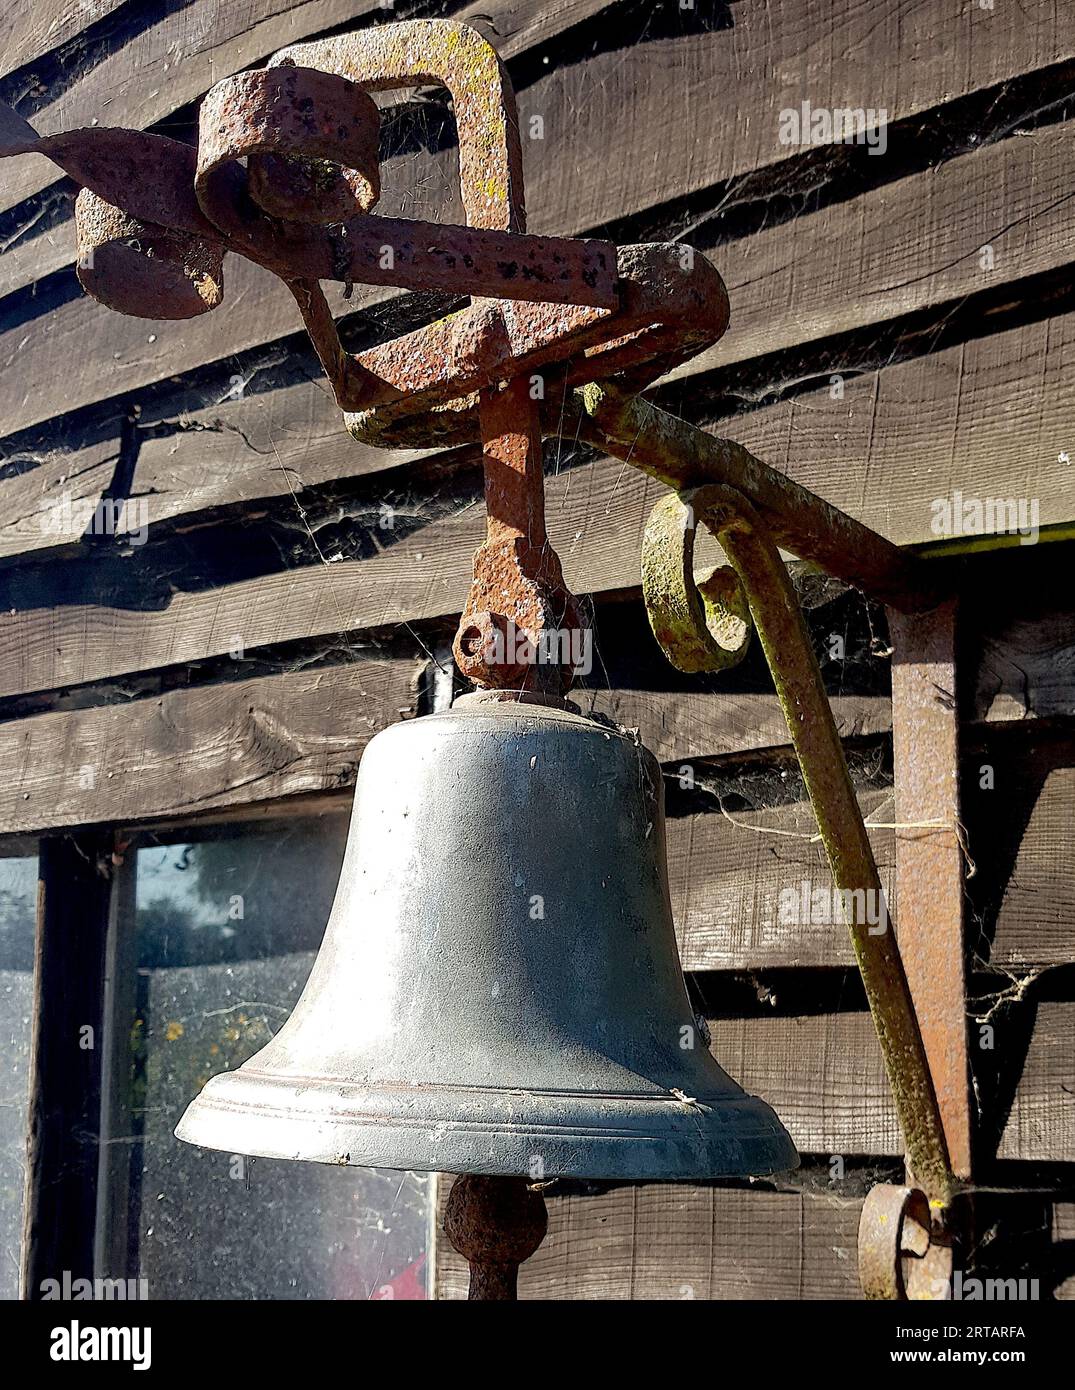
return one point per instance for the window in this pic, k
(18, 897)
(213, 940)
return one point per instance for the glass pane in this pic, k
(18, 905)
(225, 933)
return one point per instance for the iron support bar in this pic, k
(929, 864)
(682, 455)
(778, 619)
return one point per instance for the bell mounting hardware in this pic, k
(581, 1013)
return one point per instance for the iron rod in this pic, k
(682, 455)
(785, 641)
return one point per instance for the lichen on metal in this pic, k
(700, 627)
(902, 1254)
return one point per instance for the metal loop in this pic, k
(418, 51)
(903, 1253)
(700, 627)
(309, 139)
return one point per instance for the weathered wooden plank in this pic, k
(193, 750)
(273, 444)
(46, 499)
(1026, 667)
(824, 1076)
(424, 570)
(784, 291)
(969, 224)
(127, 353)
(33, 28)
(774, 56)
(427, 570)
(1018, 787)
(728, 871)
(680, 725)
(1035, 923)
(1040, 1124)
(665, 103)
(963, 415)
(681, 1241)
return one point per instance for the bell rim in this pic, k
(638, 1136)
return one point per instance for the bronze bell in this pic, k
(499, 989)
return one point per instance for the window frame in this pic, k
(75, 1213)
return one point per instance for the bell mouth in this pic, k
(598, 1135)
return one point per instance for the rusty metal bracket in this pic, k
(286, 173)
(929, 857)
(700, 628)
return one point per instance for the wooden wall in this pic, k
(903, 324)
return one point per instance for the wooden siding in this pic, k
(272, 622)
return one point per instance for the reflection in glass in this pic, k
(223, 936)
(18, 899)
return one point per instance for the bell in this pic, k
(499, 989)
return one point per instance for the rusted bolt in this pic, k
(486, 648)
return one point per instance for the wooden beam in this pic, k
(1001, 440)
(968, 224)
(191, 751)
(1018, 787)
(47, 501)
(775, 56)
(728, 872)
(33, 28)
(677, 726)
(680, 1241)
(824, 1077)
(66, 1059)
(175, 61)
